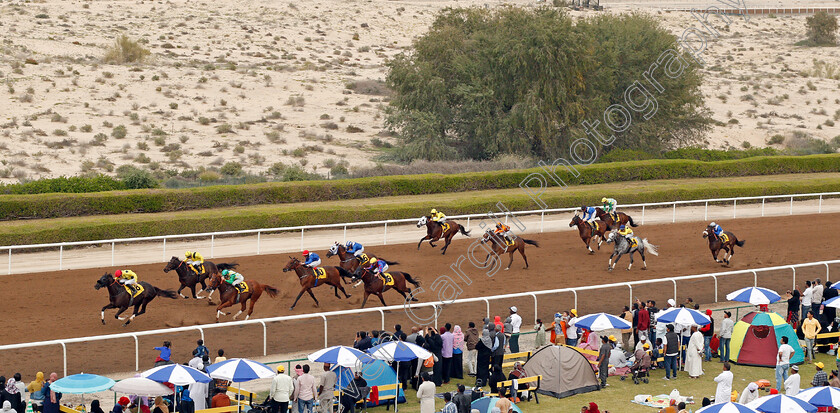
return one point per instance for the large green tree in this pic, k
(485, 82)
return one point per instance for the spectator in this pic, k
(557, 335)
(749, 394)
(642, 341)
(96, 408)
(499, 349)
(471, 337)
(363, 342)
(497, 322)
(282, 388)
(793, 306)
(36, 391)
(435, 346)
(693, 354)
(221, 399)
(652, 312)
(834, 380)
(398, 333)
(496, 376)
(456, 370)
(326, 390)
(160, 406)
(539, 339)
(635, 323)
(10, 393)
(681, 407)
(810, 328)
(672, 349)
(447, 347)
(199, 393)
(516, 324)
(305, 391)
(426, 394)
(593, 408)
(462, 402)
(570, 332)
(816, 297)
(807, 297)
(187, 405)
(121, 405)
(723, 393)
(643, 318)
(642, 361)
(165, 354)
(507, 328)
(783, 363)
(484, 355)
(820, 378)
(503, 404)
(604, 361)
(672, 407)
(350, 398)
(448, 406)
(792, 383)
(708, 331)
(829, 312)
(51, 398)
(627, 315)
(517, 373)
(200, 351)
(7, 407)
(221, 356)
(726, 327)
(21, 391)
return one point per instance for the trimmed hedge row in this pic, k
(166, 200)
(79, 229)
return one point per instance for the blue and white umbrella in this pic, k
(727, 407)
(832, 302)
(754, 295)
(821, 396)
(342, 355)
(399, 351)
(684, 316)
(176, 374)
(600, 322)
(239, 370)
(781, 403)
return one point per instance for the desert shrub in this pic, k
(822, 28)
(231, 169)
(125, 50)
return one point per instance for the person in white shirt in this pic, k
(723, 393)
(816, 297)
(516, 323)
(282, 388)
(749, 394)
(726, 327)
(783, 363)
(642, 341)
(807, 296)
(792, 382)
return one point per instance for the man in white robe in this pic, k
(723, 393)
(694, 354)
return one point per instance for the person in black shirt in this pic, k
(793, 307)
(353, 393)
(435, 346)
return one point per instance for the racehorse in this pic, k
(434, 232)
(348, 261)
(189, 278)
(229, 296)
(622, 246)
(121, 300)
(623, 218)
(375, 285)
(500, 246)
(308, 281)
(716, 244)
(587, 232)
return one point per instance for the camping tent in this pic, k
(377, 373)
(565, 371)
(757, 337)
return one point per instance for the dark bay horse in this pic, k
(623, 219)
(308, 281)
(623, 246)
(229, 296)
(375, 285)
(189, 278)
(716, 244)
(500, 246)
(349, 261)
(121, 300)
(434, 232)
(587, 232)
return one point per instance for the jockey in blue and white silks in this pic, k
(717, 229)
(312, 259)
(355, 248)
(588, 213)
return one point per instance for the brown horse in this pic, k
(500, 246)
(623, 219)
(308, 281)
(229, 296)
(434, 232)
(587, 232)
(121, 300)
(189, 278)
(716, 244)
(348, 261)
(375, 285)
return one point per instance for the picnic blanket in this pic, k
(660, 401)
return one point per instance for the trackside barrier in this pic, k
(259, 232)
(437, 306)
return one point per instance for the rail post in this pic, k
(575, 293)
(434, 307)
(64, 351)
(60, 256)
(536, 309)
(706, 212)
(10, 260)
(112, 254)
(762, 205)
(258, 242)
(791, 206)
(716, 287)
(164, 250)
(643, 215)
(755, 278)
(265, 338)
(326, 343)
(734, 208)
(488, 307)
(819, 209)
(301, 239)
(385, 241)
(201, 330)
(826, 271)
(631, 293)
(675, 288)
(136, 353)
(382, 313)
(794, 277)
(212, 245)
(674, 215)
(345, 235)
(468, 222)
(542, 218)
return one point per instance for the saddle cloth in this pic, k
(444, 226)
(134, 290)
(387, 278)
(594, 226)
(242, 287)
(724, 238)
(320, 273)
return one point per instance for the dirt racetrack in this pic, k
(52, 305)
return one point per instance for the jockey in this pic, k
(377, 266)
(438, 217)
(232, 277)
(312, 259)
(609, 204)
(126, 277)
(195, 260)
(503, 230)
(717, 229)
(355, 248)
(626, 232)
(588, 213)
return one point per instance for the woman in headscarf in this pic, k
(457, 369)
(589, 341)
(12, 394)
(593, 408)
(95, 407)
(36, 392)
(160, 406)
(484, 349)
(51, 398)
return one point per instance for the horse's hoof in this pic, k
(348, 296)
(414, 299)
(291, 308)
(103, 322)
(507, 268)
(627, 269)
(644, 269)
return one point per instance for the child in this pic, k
(539, 340)
(165, 354)
(201, 350)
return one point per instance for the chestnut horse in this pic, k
(716, 244)
(434, 232)
(308, 281)
(229, 296)
(587, 232)
(121, 300)
(189, 278)
(375, 285)
(348, 261)
(623, 219)
(500, 246)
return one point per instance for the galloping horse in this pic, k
(348, 261)
(500, 246)
(434, 232)
(189, 279)
(121, 300)
(375, 285)
(229, 296)
(308, 280)
(716, 244)
(587, 232)
(623, 218)
(622, 246)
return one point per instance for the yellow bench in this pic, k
(379, 389)
(835, 334)
(65, 409)
(225, 409)
(527, 380)
(513, 356)
(249, 395)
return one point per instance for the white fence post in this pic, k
(136, 353)
(791, 206)
(643, 215)
(819, 210)
(258, 242)
(212, 245)
(10, 260)
(675, 288)
(536, 308)
(265, 338)
(716, 287)
(164, 249)
(674, 215)
(487, 302)
(112, 254)
(706, 213)
(385, 241)
(762, 205)
(734, 208)
(326, 342)
(301, 239)
(542, 219)
(64, 352)
(60, 256)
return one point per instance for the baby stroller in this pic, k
(640, 374)
(263, 407)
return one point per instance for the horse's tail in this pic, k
(227, 266)
(630, 219)
(464, 231)
(411, 280)
(272, 292)
(391, 262)
(653, 249)
(740, 243)
(165, 293)
(531, 242)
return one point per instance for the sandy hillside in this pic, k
(300, 82)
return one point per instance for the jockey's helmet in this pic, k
(434, 211)
(118, 274)
(712, 224)
(305, 252)
(583, 208)
(604, 199)
(225, 272)
(622, 228)
(188, 253)
(349, 243)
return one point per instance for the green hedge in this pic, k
(75, 184)
(165, 200)
(87, 228)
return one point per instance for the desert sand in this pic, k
(260, 82)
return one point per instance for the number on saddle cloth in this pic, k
(444, 227)
(614, 216)
(363, 258)
(241, 287)
(320, 273)
(634, 242)
(724, 238)
(133, 290)
(387, 278)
